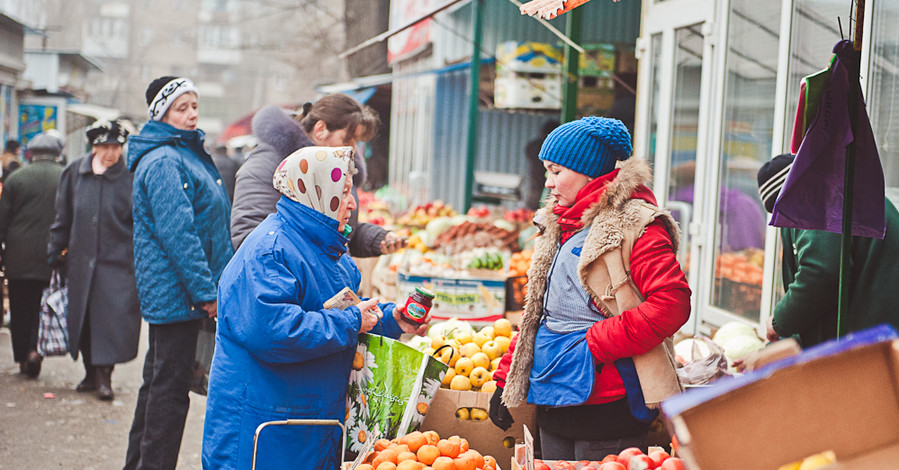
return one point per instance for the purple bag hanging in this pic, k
(812, 196)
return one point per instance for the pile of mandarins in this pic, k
(472, 358)
(426, 451)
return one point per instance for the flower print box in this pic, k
(483, 436)
(475, 298)
(840, 395)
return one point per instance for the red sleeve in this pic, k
(503, 368)
(658, 276)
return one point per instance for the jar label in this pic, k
(416, 311)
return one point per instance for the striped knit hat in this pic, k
(590, 146)
(771, 178)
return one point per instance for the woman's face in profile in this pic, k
(347, 205)
(183, 114)
(563, 183)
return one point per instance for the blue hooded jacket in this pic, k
(181, 218)
(279, 354)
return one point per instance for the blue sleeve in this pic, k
(261, 309)
(176, 228)
(388, 325)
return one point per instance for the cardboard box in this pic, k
(528, 90)
(523, 459)
(482, 436)
(478, 299)
(841, 396)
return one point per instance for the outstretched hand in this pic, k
(407, 327)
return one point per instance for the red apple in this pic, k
(624, 457)
(641, 462)
(672, 463)
(612, 466)
(658, 457)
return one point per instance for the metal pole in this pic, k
(471, 148)
(572, 63)
(849, 173)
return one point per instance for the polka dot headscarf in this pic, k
(316, 177)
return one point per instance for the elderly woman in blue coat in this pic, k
(181, 245)
(279, 353)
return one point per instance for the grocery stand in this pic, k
(297, 422)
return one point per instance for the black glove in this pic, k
(499, 413)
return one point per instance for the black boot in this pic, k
(33, 364)
(89, 384)
(104, 383)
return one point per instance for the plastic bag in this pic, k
(390, 391)
(702, 361)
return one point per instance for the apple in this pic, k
(464, 366)
(624, 457)
(502, 327)
(480, 338)
(612, 466)
(492, 350)
(672, 463)
(481, 360)
(479, 376)
(641, 462)
(539, 465)
(659, 456)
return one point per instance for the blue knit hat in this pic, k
(589, 146)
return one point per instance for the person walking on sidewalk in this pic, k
(26, 213)
(181, 245)
(92, 238)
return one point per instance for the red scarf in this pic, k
(570, 217)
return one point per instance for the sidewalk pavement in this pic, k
(76, 430)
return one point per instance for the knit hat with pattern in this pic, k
(771, 178)
(590, 146)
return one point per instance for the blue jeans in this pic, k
(560, 448)
(163, 399)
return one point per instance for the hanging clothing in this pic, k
(812, 196)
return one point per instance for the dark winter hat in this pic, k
(45, 145)
(590, 146)
(771, 178)
(163, 91)
(106, 132)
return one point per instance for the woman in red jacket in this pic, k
(605, 295)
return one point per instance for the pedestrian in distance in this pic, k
(280, 354)
(605, 295)
(92, 238)
(332, 121)
(811, 273)
(9, 159)
(181, 245)
(26, 213)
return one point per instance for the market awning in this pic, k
(94, 111)
(369, 83)
(549, 9)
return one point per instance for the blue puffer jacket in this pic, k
(278, 353)
(181, 216)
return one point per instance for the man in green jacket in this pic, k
(26, 213)
(811, 267)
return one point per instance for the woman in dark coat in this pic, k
(92, 235)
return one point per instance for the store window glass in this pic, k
(656, 47)
(883, 90)
(749, 107)
(684, 126)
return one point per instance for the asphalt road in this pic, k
(75, 430)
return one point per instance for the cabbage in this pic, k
(505, 225)
(436, 227)
(449, 328)
(738, 347)
(684, 350)
(419, 342)
(732, 329)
